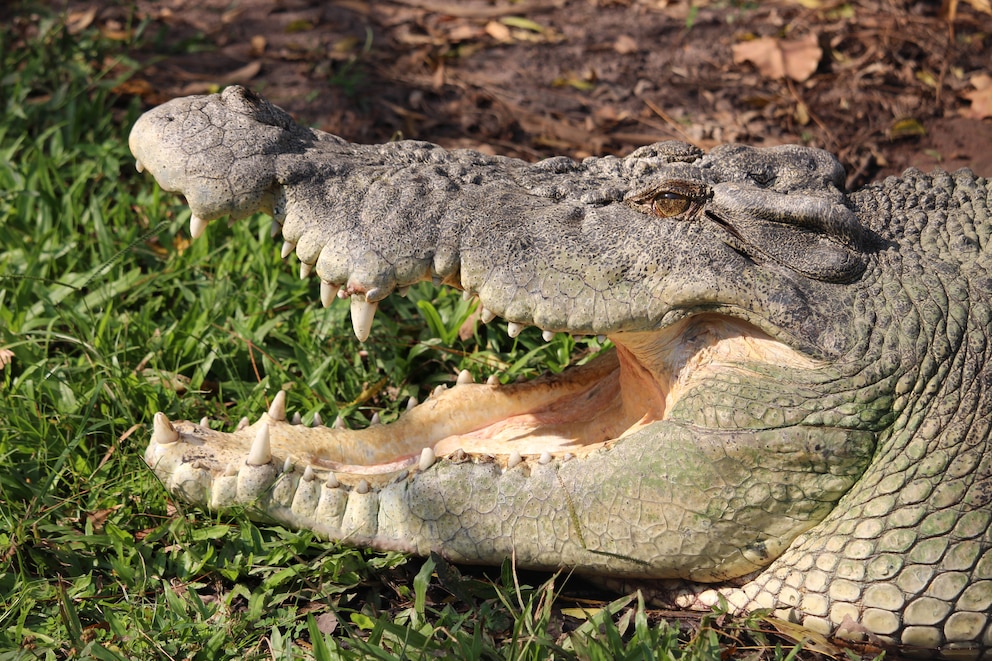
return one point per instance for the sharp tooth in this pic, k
(487, 315)
(275, 229)
(242, 423)
(305, 270)
(339, 423)
(261, 450)
(308, 474)
(548, 335)
(601, 339)
(139, 166)
(513, 328)
(464, 377)
(317, 421)
(427, 458)
(328, 291)
(362, 314)
(493, 380)
(403, 291)
(230, 470)
(466, 294)
(287, 249)
(363, 487)
(163, 432)
(205, 422)
(411, 403)
(277, 410)
(514, 459)
(196, 226)
(297, 419)
(375, 419)
(440, 389)
(332, 481)
(545, 458)
(376, 294)
(287, 466)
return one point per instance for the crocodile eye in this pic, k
(668, 204)
(674, 197)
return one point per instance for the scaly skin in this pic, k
(796, 416)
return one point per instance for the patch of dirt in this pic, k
(883, 84)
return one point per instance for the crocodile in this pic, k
(795, 414)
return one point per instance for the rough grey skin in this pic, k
(796, 415)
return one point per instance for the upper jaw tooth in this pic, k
(196, 226)
(362, 314)
(139, 166)
(328, 291)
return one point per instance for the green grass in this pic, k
(108, 314)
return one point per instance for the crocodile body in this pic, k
(796, 414)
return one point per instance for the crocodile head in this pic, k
(699, 448)
(796, 410)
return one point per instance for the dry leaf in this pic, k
(813, 641)
(6, 357)
(781, 58)
(498, 31)
(625, 45)
(327, 623)
(77, 21)
(980, 97)
(258, 44)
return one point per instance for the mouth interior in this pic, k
(575, 412)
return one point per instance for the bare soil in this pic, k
(885, 85)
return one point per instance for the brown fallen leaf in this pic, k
(980, 97)
(77, 21)
(6, 357)
(780, 58)
(625, 45)
(327, 623)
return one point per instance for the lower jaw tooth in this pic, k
(261, 450)
(163, 432)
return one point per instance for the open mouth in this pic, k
(579, 411)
